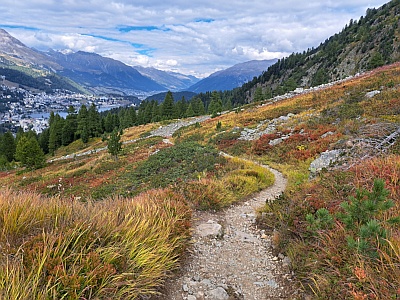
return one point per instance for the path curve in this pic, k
(237, 264)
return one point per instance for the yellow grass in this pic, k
(116, 249)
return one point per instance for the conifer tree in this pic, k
(116, 123)
(258, 94)
(155, 112)
(55, 136)
(180, 108)
(167, 108)
(8, 146)
(93, 123)
(70, 127)
(198, 107)
(29, 153)
(190, 112)
(148, 111)
(133, 116)
(215, 106)
(44, 140)
(108, 122)
(83, 129)
(114, 143)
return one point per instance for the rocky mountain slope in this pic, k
(12, 50)
(101, 73)
(364, 44)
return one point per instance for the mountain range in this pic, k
(99, 75)
(363, 44)
(171, 80)
(232, 77)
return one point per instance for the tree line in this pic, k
(29, 148)
(88, 122)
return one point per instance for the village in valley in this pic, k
(30, 110)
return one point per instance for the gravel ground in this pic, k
(231, 259)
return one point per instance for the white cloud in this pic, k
(196, 37)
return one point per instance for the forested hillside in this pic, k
(364, 44)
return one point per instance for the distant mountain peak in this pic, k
(170, 80)
(102, 74)
(8, 42)
(232, 77)
(14, 48)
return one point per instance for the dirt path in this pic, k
(232, 259)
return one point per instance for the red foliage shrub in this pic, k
(261, 146)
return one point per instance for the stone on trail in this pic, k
(210, 228)
(218, 294)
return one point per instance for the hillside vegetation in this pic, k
(95, 227)
(340, 228)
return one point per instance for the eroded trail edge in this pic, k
(231, 258)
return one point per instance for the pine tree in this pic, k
(108, 122)
(70, 127)
(44, 140)
(148, 111)
(94, 124)
(155, 112)
(258, 94)
(198, 107)
(167, 107)
(215, 106)
(51, 118)
(180, 108)
(29, 153)
(8, 146)
(85, 133)
(114, 143)
(375, 61)
(133, 116)
(55, 136)
(116, 123)
(83, 129)
(190, 112)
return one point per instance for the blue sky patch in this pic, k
(204, 20)
(19, 27)
(142, 49)
(102, 37)
(142, 28)
(137, 28)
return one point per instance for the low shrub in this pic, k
(183, 162)
(345, 225)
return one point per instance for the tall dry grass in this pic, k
(115, 249)
(241, 178)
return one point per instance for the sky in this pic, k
(193, 37)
